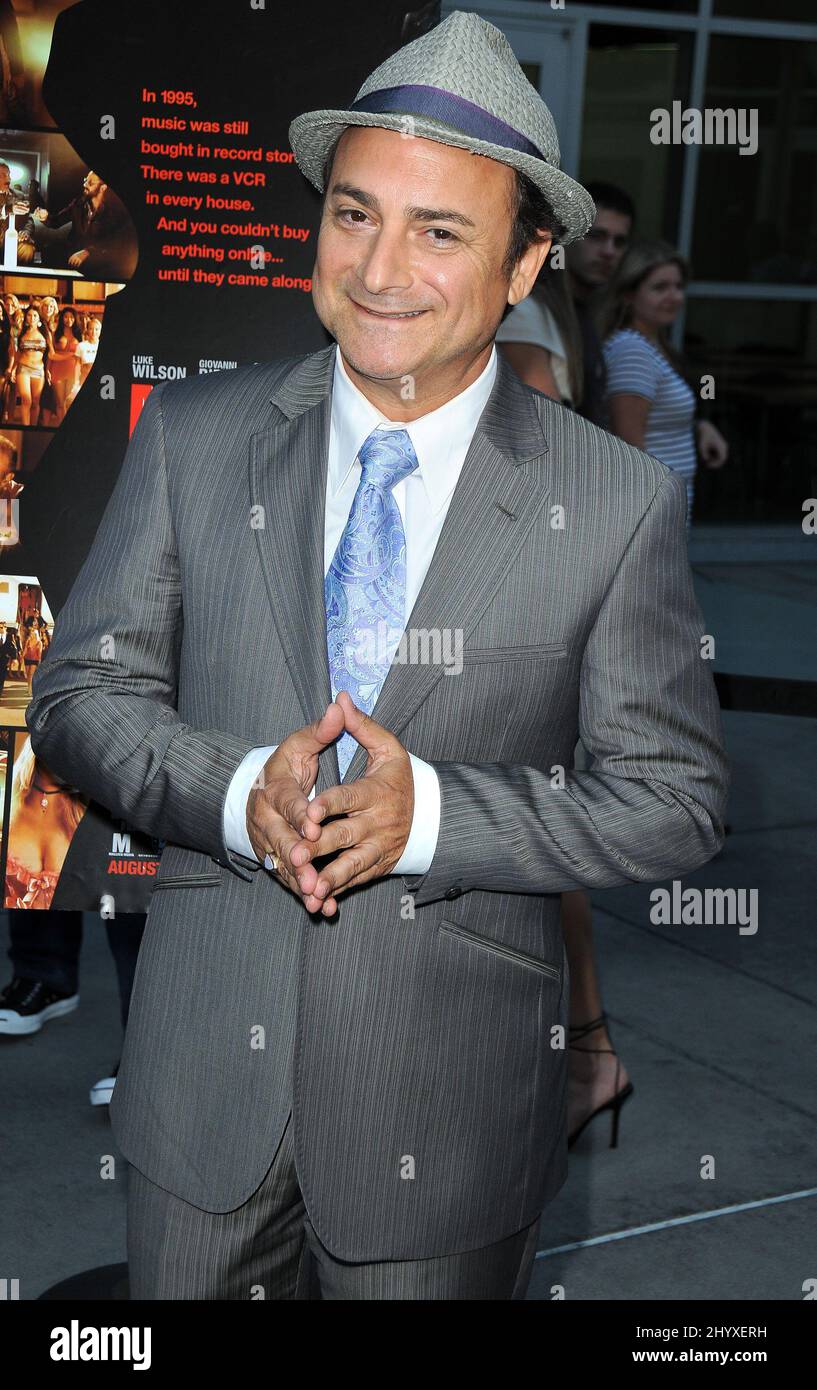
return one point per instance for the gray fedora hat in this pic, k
(459, 84)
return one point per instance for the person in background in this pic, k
(14, 104)
(541, 339)
(86, 350)
(12, 199)
(551, 341)
(589, 264)
(5, 656)
(93, 233)
(49, 311)
(9, 486)
(6, 341)
(31, 366)
(8, 348)
(32, 650)
(11, 654)
(45, 635)
(64, 362)
(651, 401)
(11, 306)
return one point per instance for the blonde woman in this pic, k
(49, 312)
(651, 400)
(87, 349)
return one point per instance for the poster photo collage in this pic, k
(67, 244)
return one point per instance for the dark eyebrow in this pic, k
(418, 214)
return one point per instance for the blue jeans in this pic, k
(45, 946)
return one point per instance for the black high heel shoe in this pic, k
(616, 1100)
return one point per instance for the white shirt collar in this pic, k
(440, 439)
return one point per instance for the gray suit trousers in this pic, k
(268, 1249)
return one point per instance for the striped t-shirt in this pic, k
(636, 366)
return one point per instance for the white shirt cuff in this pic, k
(235, 802)
(425, 824)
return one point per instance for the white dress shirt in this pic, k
(441, 440)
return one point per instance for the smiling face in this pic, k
(408, 277)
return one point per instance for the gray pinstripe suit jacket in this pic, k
(432, 1037)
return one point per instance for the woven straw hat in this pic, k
(459, 84)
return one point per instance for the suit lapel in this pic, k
(494, 504)
(288, 486)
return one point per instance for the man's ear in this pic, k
(527, 268)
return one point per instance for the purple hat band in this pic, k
(462, 115)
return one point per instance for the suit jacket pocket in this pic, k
(499, 948)
(531, 652)
(205, 880)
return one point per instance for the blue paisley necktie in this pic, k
(365, 585)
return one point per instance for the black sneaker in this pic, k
(25, 1005)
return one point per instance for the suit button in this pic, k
(453, 893)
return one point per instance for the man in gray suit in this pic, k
(344, 1066)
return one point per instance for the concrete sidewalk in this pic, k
(719, 1035)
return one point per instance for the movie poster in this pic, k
(153, 225)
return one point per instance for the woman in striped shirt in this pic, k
(651, 402)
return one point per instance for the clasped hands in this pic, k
(365, 824)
